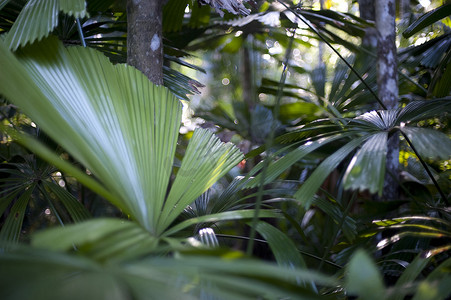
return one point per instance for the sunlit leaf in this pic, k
(38, 18)
(121, 127)
(206, 160)
(234, 6)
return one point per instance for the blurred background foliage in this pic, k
(324, 228)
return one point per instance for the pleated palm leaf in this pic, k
(119, 125)
(363, 139)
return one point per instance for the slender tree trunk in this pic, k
(144, 37)
(387, 81)
(367, 12)
(247, 78)
(321, 68)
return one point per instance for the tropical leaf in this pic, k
(363, 277)
(10, 231)
(3, 3)
(121, 127)
(410, 274)
(428, 19)
(75, 209)
(367, 168)
(282, 247)
(42, 274)
(100, 239)
(420, 110)
(277, 167)
(333, 210)
(223, 216)
(423, 138)
(437, 284)
(206, 160)
(311, 185)
(38, 18)
(173, 12)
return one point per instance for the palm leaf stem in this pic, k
(269, 143)
(426, 168)
(306, 22)
(337, 230)
(80, 33)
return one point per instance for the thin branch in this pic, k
(426, 168)
(80, 33)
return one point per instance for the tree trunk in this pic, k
(367, 12)
(247, 78)
(387, 82)
(144, 37)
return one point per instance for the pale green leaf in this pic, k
(206, 160)
(367, 168)
(363, 278)
(76, 8)
(429, 143)
(382, 119)
(434, 290)
(283, 248)
(110, 117)
(100, 239)
(38, 18)
(31, 273)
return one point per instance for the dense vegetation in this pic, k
(272, 185)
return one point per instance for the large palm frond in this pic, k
(120, 126)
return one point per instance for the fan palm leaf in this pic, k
(119, 125)
(38, 18)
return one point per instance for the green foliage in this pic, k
(313, 196)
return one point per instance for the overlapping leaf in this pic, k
(39, 17)
(367, 168)
(118, 124)
(41, 274)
